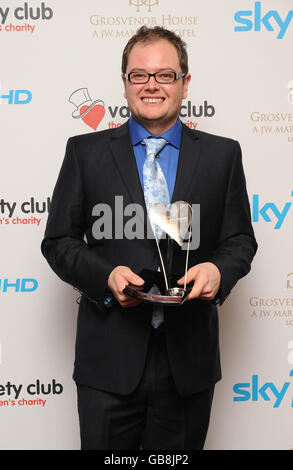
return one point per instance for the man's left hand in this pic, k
(207, 279)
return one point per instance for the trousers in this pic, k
(152, 417)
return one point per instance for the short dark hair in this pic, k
(146, 34)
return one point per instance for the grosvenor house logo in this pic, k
(275, 123)
(277, 307)
(107, 24)
(145, 4)
(260, 18)
(23, 17)
(290, 92)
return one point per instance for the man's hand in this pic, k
(119, 278)
(207, 279)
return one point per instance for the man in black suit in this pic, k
(145, 377)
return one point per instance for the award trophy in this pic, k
(176, 222)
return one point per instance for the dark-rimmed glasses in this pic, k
(165, 76)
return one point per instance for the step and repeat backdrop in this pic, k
(60, 76)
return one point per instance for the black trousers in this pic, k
(153, 417)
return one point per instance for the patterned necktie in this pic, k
(155, 190)
(155, 185)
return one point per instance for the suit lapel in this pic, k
(125, 161)
(188, 162)
(124, 158)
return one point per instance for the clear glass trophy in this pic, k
(176, 222)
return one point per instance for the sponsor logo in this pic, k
(256, 390)
(149, 4)
(275, 307)
(117, 27)
(256, 20)
(32, 206)
(290, 92)
(289, 283)
(11, 394)
(274, 124)
(269, 212)
(92, 112)
(18, 285)
(25, 12)
(16, 96)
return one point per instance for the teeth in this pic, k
(153, 100)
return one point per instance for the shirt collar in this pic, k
(138, 133)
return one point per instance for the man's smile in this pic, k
(152, 100)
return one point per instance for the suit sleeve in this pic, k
(63, 245)
(236, 245)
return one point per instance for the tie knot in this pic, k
(154, 145)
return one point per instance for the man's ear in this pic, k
(124, 83)
(186, 81)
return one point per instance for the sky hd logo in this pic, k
(258, 19)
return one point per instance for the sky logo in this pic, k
(271, 20)
(16, 96)
(19, 285)
(269, 211)
(254, 391)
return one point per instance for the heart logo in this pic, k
(174, 220)
(94, 116)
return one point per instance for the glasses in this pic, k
(160, 77)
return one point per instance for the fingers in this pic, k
(119, 278)
(206, 278)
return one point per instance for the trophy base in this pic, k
(175, 296)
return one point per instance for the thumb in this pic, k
(189, 278)
(134, 279)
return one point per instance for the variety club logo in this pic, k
(11, 394)
(23, 12)
(257, 19)
(28, 211)
(92, 112)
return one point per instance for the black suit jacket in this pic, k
(111, 344)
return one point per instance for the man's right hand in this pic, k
(119, 278)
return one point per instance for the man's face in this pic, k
(156, 106)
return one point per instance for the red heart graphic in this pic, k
(94, 116)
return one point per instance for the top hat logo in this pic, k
(91, 112)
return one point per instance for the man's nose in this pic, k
(152, 84)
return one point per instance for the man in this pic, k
(145, 376)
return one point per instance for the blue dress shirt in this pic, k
(169, 155)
